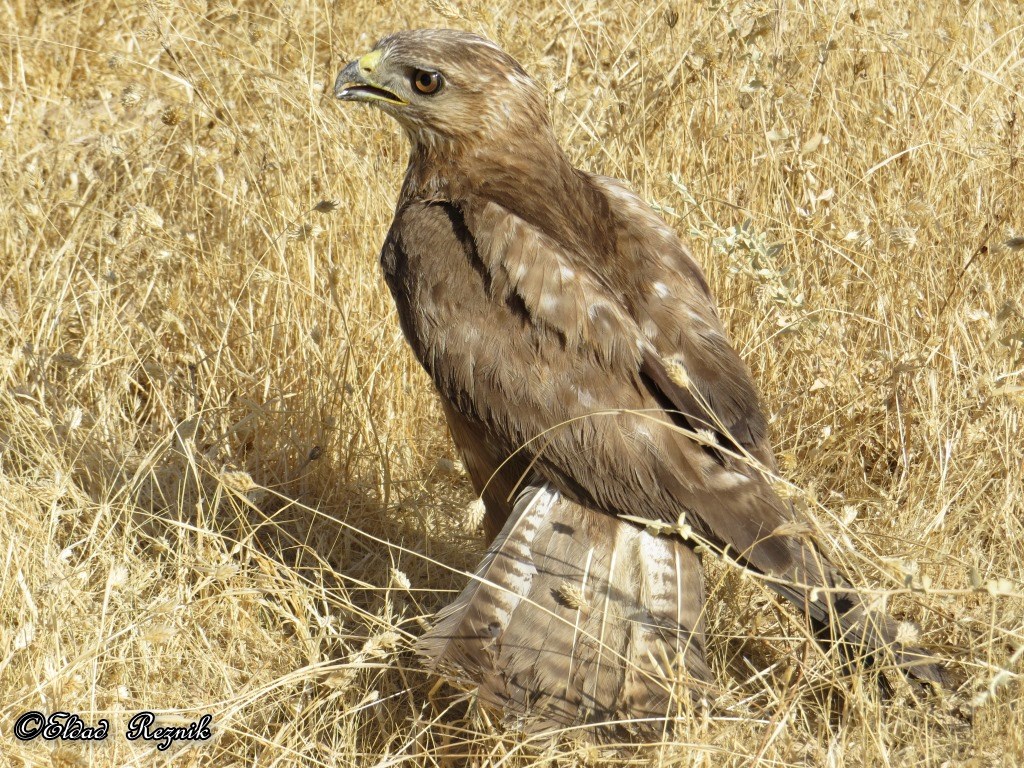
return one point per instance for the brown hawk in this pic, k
(590, 386)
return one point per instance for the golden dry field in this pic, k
(226, 486)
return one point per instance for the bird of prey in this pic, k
(593, 393)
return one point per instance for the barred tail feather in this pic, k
(577, 618)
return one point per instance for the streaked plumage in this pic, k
(586, 376)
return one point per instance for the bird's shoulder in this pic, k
(631, 294)
(677, 313)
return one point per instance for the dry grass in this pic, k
(225, 484)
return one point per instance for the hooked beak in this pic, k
(356, 82)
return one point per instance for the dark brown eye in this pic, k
(427, 82)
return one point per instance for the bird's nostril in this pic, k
(368, 63)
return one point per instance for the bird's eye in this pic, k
(427, 82)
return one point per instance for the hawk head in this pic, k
(479, 130)
(446, 88)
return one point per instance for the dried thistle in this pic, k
(907, 634)
(131, 95)
(400, 581)
(327, 206)
(172, 115)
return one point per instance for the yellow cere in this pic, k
(369, 62)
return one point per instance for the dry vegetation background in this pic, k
(225, 484)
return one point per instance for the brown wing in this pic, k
(576, 619)
(555, 355)
(691, 363)
(568, 372)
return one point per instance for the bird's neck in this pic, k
(531, 178)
